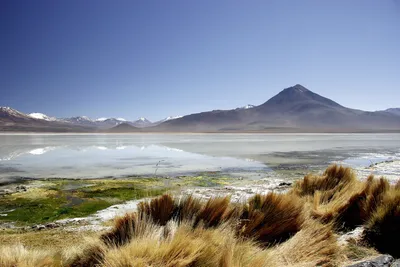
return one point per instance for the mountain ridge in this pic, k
(294, 109)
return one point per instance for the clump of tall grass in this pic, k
(160, 209)
(215, 212)
(338, 197)
(189, 247)
(90, 256)
(334, 179)
(18, 255)
(382, 230)
(123, 231)
(314, 245)
(271, 218)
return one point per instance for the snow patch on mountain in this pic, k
(12, 112)
(41, 116)
(247, 106)
(172, 118)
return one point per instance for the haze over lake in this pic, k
(245, 155)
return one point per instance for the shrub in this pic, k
(123, 231)
(351, 205)
(334, 178)
(160, 209)
(314, 245)
(382, 230)
(91, 256)
(271, 218)
(18, 255)
(215, 212)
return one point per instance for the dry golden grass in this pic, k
(189, 247)
(187, 208)
(53, 239)
(313, 245)
(338, 197)
(215, 212)
(271, 218)
(383, 228)
(291, 229)
(334, 178)
(160, 209)
(19, 256)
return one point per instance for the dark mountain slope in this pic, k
(12, 120)
(123, 128)
(293, 109)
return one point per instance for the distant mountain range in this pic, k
(295, 109)
(14, 120)
(395, 111)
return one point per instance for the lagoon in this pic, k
(244, 155)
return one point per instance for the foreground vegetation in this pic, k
(55, 199)
(297, 228)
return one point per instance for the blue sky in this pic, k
(159, 58)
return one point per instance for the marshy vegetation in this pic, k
(51, 200)
(54, 199)
(300, 227)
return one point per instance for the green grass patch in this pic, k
(57, 200)
(127, 193)
(54, 199)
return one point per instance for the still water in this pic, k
(101, 155)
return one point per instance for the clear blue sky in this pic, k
(159, 58)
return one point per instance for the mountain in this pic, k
(247, 106)
(166, 119)
(101, 123)
(41, 116)
(141, 123)
(80, 121)
(14, 120)
(171, 118)
(292, 110)
(109, 123)
(123, 128)
(9, 115)
(395, 111)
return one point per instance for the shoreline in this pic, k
(311, 132)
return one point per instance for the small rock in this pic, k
(381, 261)
(5, 192)
(285, 184)
(51, 225)
(38, 227)
(21, 188)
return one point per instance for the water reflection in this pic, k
(76, 156)
(91, 161)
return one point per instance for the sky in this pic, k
(154, 59)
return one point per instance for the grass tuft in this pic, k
(123, 231)
(215, 212)
(271, 218)
(383, 228)
(18, 255)
(159, 209)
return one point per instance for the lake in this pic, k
(244, 155)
